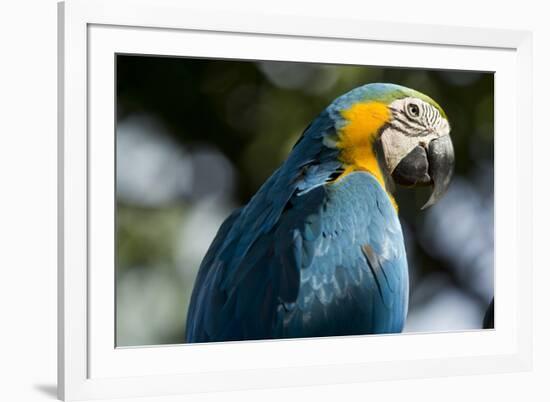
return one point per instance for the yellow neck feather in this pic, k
(357, 137)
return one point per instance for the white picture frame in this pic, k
(92, 32)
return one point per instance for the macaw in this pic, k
(319, 250)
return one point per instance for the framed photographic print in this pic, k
(263, 201)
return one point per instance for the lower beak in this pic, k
(433, 165)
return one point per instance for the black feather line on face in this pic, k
(433, 116)
(407, 122)
(424, 111)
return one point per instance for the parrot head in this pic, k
(397, 134)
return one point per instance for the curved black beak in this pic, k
(441, 156)
(423, 167)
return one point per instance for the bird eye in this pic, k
(413, 109)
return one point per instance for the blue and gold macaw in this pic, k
(318, 250)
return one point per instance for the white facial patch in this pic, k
(414, 122)
(397, 145)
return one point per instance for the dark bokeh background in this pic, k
(196, 138)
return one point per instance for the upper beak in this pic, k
(441, 156)
(424, 165)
